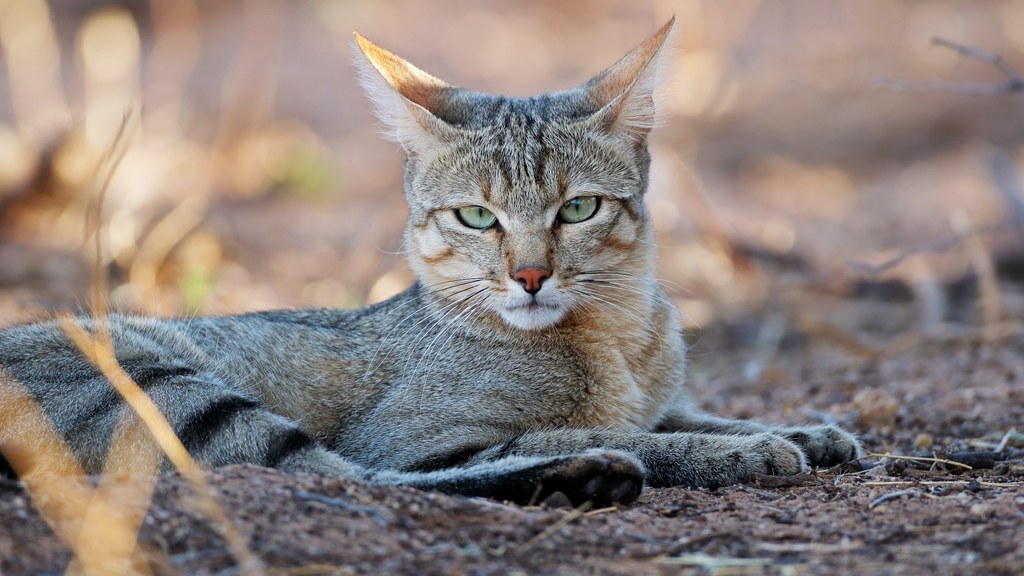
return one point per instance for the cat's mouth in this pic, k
(532, 315)
(533, 305)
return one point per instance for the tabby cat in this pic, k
(535, 353)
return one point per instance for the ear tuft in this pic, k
(403, 96)
(625, 92)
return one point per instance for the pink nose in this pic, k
(531, 278)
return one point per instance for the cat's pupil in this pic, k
(476, 217)
(578, 209)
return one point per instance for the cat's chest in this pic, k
(622, 386)
(594, 378)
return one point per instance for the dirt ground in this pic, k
(841, 251)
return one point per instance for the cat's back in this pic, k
(48, 348)
(259, 352)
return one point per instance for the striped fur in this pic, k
(466, 382)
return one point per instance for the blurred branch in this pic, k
(1014, 81)
(939, 245)
(988, 278)
(1006, 180)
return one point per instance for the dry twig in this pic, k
(1005, 439)
(935, 246)
(769, 481)
(919, 459)
(982, 483)
(1007, 181)
(1014, 82)
(891, 496)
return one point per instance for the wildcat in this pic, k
(535, 353)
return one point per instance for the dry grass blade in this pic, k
(64, 499)
(166, 234)
(805, 547)
(718, 565)
(130, 451)
(600, 511)
(98, 349)
(547, 532)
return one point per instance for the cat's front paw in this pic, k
(772, 454)
(825, 446)
(736, 459)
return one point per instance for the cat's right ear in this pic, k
(625, 91)
(404, 97)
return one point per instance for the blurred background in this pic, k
(794, 191)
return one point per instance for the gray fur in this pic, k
(463, 383)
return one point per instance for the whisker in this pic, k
(461, 285)
(449, 327)
(471, 311)
(629, 310)
(646, 279)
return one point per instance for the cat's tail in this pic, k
(602, 477)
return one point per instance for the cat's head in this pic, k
(528, 208)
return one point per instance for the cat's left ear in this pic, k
(405, 98)
(624, 92)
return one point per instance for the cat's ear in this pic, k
(625, 91)
(404, 97)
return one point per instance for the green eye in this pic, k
(578, 209)
(476, 217)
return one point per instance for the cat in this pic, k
(534, 354)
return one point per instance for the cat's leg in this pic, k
(671, 459)
(824, 445)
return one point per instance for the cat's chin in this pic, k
(534, 317)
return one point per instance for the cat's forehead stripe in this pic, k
(474, 110)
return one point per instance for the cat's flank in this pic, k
(535, 352)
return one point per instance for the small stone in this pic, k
(876, 408)
(557, 500)
(878, 472)
(924, 441)
(982, 510)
